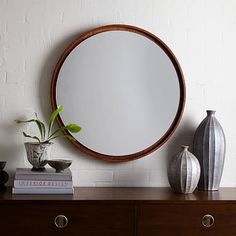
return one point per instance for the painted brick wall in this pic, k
(201, 33)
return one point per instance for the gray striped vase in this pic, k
(184, 172)
(209, 148)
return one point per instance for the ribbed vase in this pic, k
(184, 172)
(209, 148)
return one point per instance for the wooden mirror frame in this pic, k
(177, 67)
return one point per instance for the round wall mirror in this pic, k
(124, 87)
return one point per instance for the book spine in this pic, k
(44, 177)
(42, 183)
(41, 191)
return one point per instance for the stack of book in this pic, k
(46, 182)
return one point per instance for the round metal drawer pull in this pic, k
(61, 221)
(207, 220)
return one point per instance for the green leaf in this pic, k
(53, 117)
(33, 137)
(57, 131)
(38, 123)
(62, 136)
(73, 128)
(24, 121)
(41, 127)
(70, 137)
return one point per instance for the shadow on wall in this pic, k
(184, 137)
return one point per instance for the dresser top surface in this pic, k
(145, 194)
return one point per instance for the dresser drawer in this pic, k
(39, 219)
(187, 220)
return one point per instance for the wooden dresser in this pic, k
(119, 211)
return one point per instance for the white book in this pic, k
(48, 174)
(42, 183)
(42, 191)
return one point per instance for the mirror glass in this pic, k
(122, 88)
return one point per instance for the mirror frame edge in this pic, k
(178, 70)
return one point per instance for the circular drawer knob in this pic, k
(207, 220)
(61, 221)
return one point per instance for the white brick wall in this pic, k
(201, 33)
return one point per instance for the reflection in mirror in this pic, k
(124, 87)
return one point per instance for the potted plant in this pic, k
(39, 152)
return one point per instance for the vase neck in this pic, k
(185, 148)
(210, 112)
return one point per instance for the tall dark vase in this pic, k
(3, 175)
(209, 148)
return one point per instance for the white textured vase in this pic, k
(209, 148)
(184, 172)
(38, 154)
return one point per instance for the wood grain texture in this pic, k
(38, 219)
(128, 195)
(120, 212)
(175, 63)
(186, 220)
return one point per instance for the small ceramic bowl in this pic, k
(59, 164)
